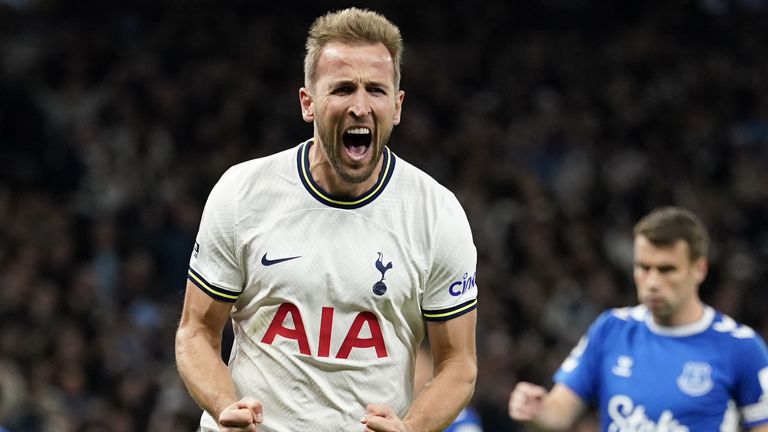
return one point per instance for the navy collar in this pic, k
(343, 202)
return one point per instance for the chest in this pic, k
(337, 259)
(670, 381)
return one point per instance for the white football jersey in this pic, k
(330, 293)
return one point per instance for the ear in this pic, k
(700, 267)
(398, 106)
(307, 105)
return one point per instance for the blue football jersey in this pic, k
(706, 376)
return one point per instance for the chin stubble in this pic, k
(332, 150)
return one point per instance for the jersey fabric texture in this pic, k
(330, 293)
(704, 376)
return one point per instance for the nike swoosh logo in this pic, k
(268, 262)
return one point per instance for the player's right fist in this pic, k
(526, 401)
(242, 416)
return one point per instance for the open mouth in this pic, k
(357, 140)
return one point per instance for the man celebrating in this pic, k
(329, 258)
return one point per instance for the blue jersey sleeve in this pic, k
(751, 389)
(580, 370)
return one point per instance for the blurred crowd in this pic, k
(557, 125)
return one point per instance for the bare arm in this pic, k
(198, 358)
(760, 428)
(452, 344)
(556, 410)
(443, 397)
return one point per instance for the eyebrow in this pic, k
(346, 82)
(661, 267)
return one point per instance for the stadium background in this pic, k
(556, 125)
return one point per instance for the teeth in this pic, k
(359, 131)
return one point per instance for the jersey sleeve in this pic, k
(214, 266)
(451, 288)
(580, 370)
(751, 389)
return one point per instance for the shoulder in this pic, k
(728, 331)
(726, 325)
(745, 348)
(418, 181)
(272, 164)
(622, 318)
(440, 210)
(614, 322)
(610, 325)
(249, 176)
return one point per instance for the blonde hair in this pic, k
(351, 25)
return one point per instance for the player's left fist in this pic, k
(242, 416)
(382, 418)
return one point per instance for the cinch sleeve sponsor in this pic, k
(214, 266)
(451, 287)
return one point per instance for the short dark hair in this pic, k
(666, 225)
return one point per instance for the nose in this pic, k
(361, 104)
(652, 280)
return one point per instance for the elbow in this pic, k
(471, 376)
(181, 343)
(468, 375)
(191, 339)
(184, 341)
(464, 374)
(470, 367)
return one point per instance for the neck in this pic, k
(326, 177)
(688, 314)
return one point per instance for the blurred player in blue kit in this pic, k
(333, 259)
(670, 364)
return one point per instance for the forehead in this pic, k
(346, 61)
(647, 252)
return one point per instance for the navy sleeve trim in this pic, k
(449, 313)
(217, 293)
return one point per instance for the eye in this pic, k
(343, 90)
(643, 267)
(666, 269)
(377, 90)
